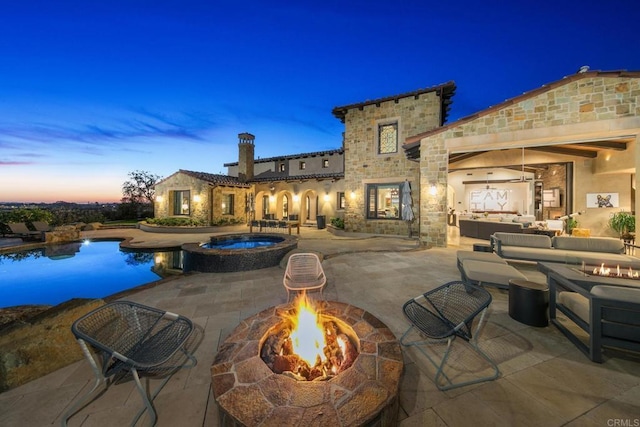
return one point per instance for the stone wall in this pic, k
(206, 201)
(32, 348)
(363, 164)
(580, 100)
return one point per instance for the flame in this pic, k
(307, 336)
(608, 272)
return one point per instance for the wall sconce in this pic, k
(326, 197)
(159, 199)
(272, 199)
(197, 198)
(296, 198)
(353, 194)
(433, 190)
(224, 205)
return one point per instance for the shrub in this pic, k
(176, 222)
(337, 222)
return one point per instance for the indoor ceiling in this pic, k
(583, 149)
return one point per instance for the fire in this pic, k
(307, 335)
(608, 272)
(308, 345)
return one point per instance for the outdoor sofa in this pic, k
(484, 228)
(563, 249)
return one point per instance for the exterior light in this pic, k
(433, 190)
(224, 205)
(326, 197)
(296, 198)
(353, 194)
(197, 198)
(272, 198)
(159, 199)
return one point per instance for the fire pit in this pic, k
(604, 271)
(356, 385)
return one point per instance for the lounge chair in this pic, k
(41, 226)
(131, 340)
(19, 229)
(443, 314)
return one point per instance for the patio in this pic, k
(544, 380)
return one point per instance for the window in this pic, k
(181, 204)
(285, 207)
(281, 167)
(227, 204)
(265, 206)
(303, 165)
(383, 201)
(342, 204)
(325, 163)
(388, 138)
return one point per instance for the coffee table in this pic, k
(613, 308)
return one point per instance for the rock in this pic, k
(35, 346)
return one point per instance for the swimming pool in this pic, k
(53, 274)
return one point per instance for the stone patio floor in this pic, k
(544, 380)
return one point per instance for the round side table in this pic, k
(529, 302)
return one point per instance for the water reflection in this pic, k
(56, 273)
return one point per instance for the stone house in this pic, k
(586, 124)
(296, 187)
(375, 164)
(552, 149)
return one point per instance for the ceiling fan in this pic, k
(522, 178)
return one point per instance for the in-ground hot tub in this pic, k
(237, 252)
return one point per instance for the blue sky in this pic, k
(90, 91)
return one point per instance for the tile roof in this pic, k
(211, 178)
(275, 176)
(444, 90)
(293, 156)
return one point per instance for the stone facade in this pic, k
(578, 107)
(206, 197)
(364, 165)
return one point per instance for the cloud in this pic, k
(147, 126)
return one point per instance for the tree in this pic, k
(139, 188)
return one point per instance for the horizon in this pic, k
(92, 92)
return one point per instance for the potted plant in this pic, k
(624, 224)
(571, 224)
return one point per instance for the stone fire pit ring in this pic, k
(248, 393)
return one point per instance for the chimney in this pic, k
(245, 156)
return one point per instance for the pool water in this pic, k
(238, 244)
(54, 274)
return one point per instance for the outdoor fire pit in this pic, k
(352, 381)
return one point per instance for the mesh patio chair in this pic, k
(446, 313)
(304, 273)
(131, 340)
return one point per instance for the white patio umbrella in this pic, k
(407, 204)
